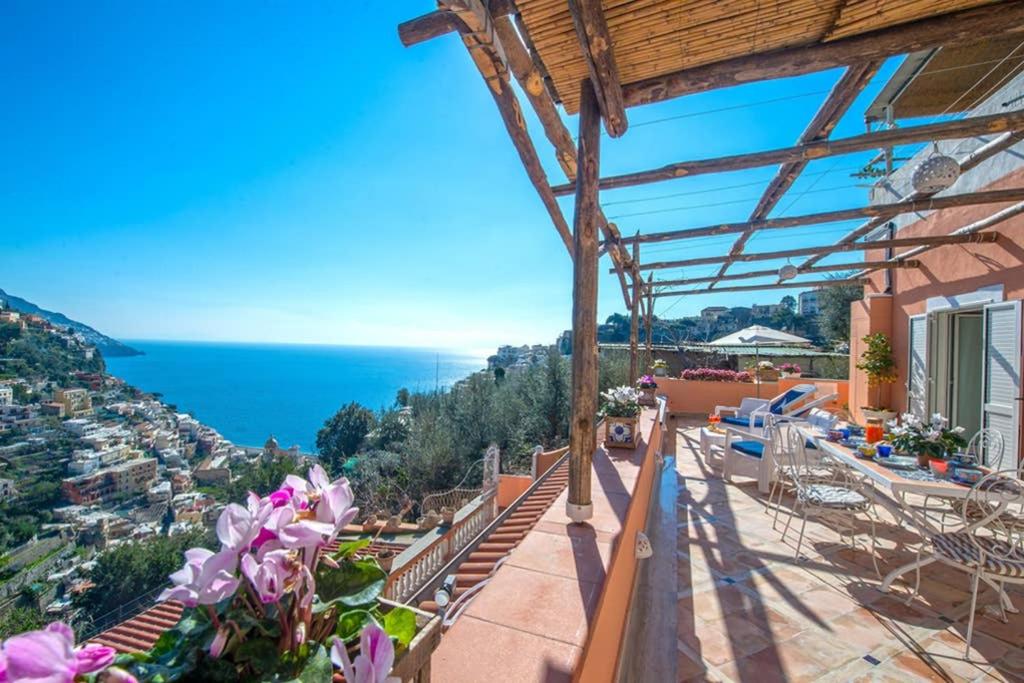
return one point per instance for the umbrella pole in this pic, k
(757, 369)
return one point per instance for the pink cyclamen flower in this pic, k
(238, 527)
(206, 579)
(49, 656)
(374, 661)
(273, 576)
(282, 496)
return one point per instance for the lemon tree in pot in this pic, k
(876, 362)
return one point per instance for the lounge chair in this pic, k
(750, 413)
(749, 455)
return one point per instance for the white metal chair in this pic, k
(750, 414)
(748, 455)
(820, 466)
(985, 548)
(840, 499)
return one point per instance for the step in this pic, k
(476, 568)
(478, 556)
(502, 548)
(468, 580)
(429, 606)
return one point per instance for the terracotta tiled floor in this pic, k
(748, 611)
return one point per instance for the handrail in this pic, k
(427, 589)
(408, 578)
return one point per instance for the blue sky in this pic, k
(291, 173)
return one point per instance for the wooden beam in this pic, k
(634, 318)
(839, 267)
(843, 93)
(946, 130)
(989, 21)
(810, 284)
(875, 210)
(649, 316)
(485, 49)
(827, 249)
(579, 507)
(970, 161)
(598, 53)
(527, 72)
(442, 21)
(972, 230)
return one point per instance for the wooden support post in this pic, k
(579, 507)
(649, 317)
(634, 317)
(819, 149)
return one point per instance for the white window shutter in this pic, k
(917, 366)
(1000, 407)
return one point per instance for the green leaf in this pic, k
(347, 550)
(354, 583)
(318, 668)
(260, 653)
(400, 624)
(351, 623)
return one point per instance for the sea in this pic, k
(249, 391)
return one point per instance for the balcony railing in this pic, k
(407, 579)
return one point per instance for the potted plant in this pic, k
(790, 370)
(877, 363)
(647, 385)
(386, 559)
(660, 368)
(926, 440)
(620, 411)
(272, 605)
(765, 371)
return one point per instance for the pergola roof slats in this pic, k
(819, 149)
(752, 288)
(886, 211)
(771, 272)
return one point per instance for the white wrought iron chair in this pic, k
(840, 500)
(986, 447)
(820, 466)
(984, 547)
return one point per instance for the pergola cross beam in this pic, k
(810, 284)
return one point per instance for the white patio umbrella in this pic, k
(757, 336)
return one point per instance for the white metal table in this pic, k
(712, 444)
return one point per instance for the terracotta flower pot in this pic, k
(647, 396)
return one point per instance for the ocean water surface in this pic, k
(249, 391)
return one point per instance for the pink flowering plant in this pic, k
(716, 375)
(647, 382)
(272, 604)
(49, 655)
(791, 368)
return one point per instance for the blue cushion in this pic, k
(752, 448)
(786, 399)
(743, 421)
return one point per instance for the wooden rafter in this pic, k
(826, 249)
(970, 161)
(850, 84)
(485, 49)
(596, 46)
(994, 19)
(439, 22)
(973, 230)
(886, 211)
(946, 130)
(834, 268)
(810, 284)
(528, 74)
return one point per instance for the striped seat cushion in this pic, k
(837, 497)
(965, 548)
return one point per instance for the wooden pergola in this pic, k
(600, 58)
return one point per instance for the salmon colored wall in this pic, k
(544, 461)
(870, 315)
(952, 269)
(599, 661)
(510, 487)
(689, 396)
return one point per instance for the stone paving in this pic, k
(749, 611)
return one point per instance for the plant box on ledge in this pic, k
(621, 412)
